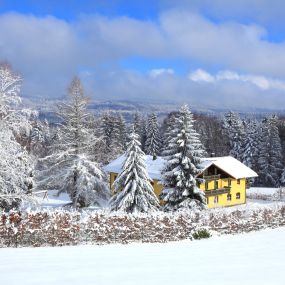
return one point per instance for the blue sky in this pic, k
(198, 51)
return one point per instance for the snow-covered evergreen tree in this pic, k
(137, 123)
(10, 84)
(113, 131)
(106, 132)
(39, 138)
(69, 167)
(133, 191)
(143, 133)
(183, 157)
(234, 129)
(168, 127)
(252, 141)
(119, 136)
(16, 168)
(153, 141)
(15, 164)
(270, 157)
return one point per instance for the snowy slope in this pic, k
(241, 259)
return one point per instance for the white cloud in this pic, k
(261, 82)
(160, 71)
(201, 75)
(49, 51)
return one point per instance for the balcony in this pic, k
(218, 191)
(212, 177)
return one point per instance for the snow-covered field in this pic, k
(255, 258)
(261, 190)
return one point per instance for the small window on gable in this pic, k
(238, 195)
(238, 181)
(230, 182)
(229, 197)
(216, 199)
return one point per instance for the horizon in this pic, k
(208, 54)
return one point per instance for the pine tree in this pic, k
(183, 157)
(234, 130)
(69, 168)
(270, 158)
(133, 191)
(153, 142)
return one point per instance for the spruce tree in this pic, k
(168, 126)
(118, 136)
(133, 191)
(270, 158)
(234, 130)
(106, 133)
(251, 144)
(153, 142)
(183, 157)
(137, 124)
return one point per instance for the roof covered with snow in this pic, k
(154, 167)
(228, 164)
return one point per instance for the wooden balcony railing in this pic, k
(212, 177)
(217, 191)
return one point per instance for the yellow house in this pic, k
(223, 179)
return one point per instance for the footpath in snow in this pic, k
(254, 258)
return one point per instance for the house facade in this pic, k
(223, 179)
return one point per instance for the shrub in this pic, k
(203, 233)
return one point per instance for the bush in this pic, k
(203, 233)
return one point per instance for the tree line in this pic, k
(68, 156)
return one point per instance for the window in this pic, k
(216, 184)
(216, 200)
(238, 181)
(238, 195)
(206, 185)
(229, 197)
(207, 200)
(230, 182)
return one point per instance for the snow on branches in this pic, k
(133, 191)
(183, 155)
(15, 164)
(69, 167)
(10, 83)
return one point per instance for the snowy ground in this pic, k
(261, 190)
(255, 258)
(54, 201)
